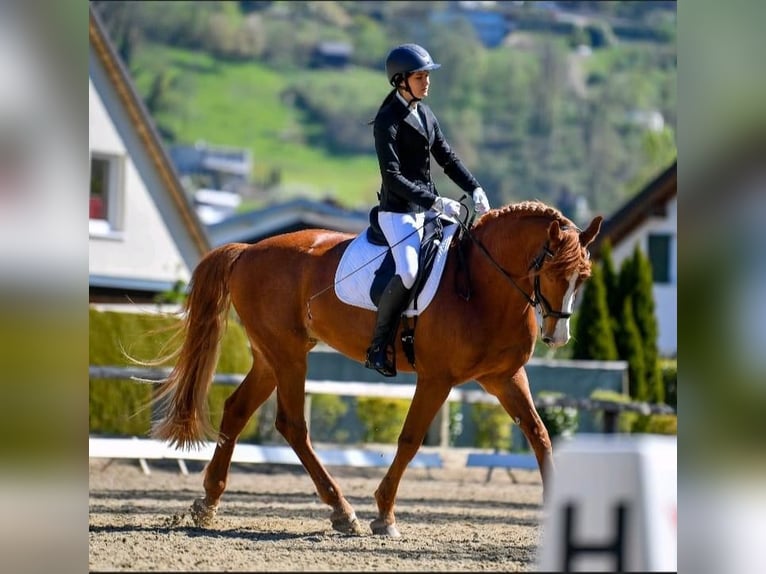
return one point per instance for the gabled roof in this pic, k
(115, 70)
(650, 202)
(292, 215)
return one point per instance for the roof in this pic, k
(300, 213)
(651, 201)
(146, 130)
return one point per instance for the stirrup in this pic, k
(377, 358)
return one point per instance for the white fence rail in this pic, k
(146, 449)
(143, 450)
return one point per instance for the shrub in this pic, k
(632, 422)
(625, 420)
(455, 422)
(121, 407)
(326, 411)
(381, 419)
(560, 421)
(662, 424)
(493, 426)
(669, 371)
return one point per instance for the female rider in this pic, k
(406, 135)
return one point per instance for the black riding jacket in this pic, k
(404, 153)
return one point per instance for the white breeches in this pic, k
(404, 232)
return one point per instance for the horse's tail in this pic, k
(182, 398)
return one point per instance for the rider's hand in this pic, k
(480, 201)
(447, 206)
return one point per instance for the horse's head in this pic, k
(559, 270)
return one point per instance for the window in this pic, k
(105, 189)
(659, 257)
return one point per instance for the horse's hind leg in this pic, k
(291, 423)
(516, 399)
(238, 408)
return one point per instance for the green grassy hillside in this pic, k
(248, 105)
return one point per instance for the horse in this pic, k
(526, 262)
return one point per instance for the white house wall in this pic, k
(665, 295)
(144, 248)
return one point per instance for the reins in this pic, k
(538, 300)
(496, 265)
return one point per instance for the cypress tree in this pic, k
(593, 336)
(611, 280)
(646, 321)
(624, 285)
(629, 340)
(613, 293)
(626, 282)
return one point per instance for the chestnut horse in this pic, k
(526, 263)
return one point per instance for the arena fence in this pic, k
(146, 449)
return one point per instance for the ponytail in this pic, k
(383, 104)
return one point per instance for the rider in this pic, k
(406, 134)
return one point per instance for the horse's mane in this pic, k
(569, 256)
(529, 208)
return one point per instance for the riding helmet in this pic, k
(406, 59)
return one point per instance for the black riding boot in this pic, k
(392, 303)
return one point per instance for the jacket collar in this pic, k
(419, 123)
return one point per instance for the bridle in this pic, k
(545, 306)
(537, 298)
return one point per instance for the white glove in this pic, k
(447, 206)
(480, 200)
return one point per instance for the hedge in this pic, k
(121, 407)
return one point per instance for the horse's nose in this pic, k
(547, 340)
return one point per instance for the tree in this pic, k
(635, 283)
(631, 350)
(611, 280)
(120, 21)
(547, 89)
(646, 321)
(593, 337)
(370, 41)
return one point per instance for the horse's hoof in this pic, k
(202, 514)
(347, 525)
(380, 528)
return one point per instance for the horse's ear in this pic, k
(587, 236)
(554, 231)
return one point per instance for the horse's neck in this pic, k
(513, 244)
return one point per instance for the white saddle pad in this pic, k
(357, 267)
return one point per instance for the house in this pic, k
(491, 27)
(293, 215)
(331, 55)
(144, 235)
(214, 205)
(224, 168)
(650, 220)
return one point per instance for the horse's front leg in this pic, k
(425, 404)
(238, 408)
(515, 397)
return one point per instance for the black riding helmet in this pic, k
(407, 59)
